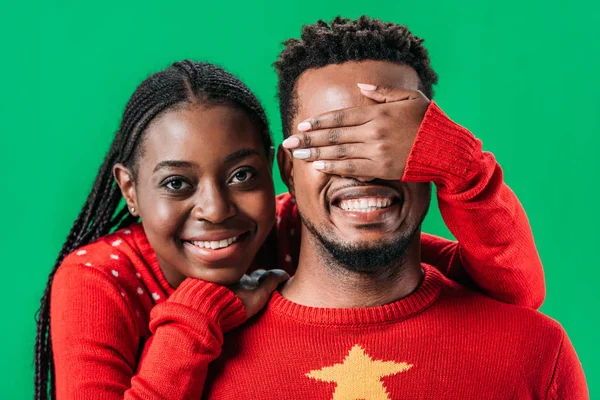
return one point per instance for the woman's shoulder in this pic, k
(108, 274)
(118, 258)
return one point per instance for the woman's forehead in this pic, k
(201, 133)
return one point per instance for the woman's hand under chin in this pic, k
(255, 290)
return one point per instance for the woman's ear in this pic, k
(284, 159)
(124, 179)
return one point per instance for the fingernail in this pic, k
(304, 126)
(319, 165)
(366, 86)
(291, 142)
(281, 274)
(301, 153)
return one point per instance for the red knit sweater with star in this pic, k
(120, 331)
(441, 342)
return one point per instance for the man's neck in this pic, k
(320, 282)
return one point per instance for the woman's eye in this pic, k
(242, 176)
(176, 185)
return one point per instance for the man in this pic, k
(363, 317)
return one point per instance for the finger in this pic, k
(353, 167)
(386, 94)
(268, 282)
(335, 119)
(325, 137)
(337, 152)
(257, 274)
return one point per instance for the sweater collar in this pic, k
(424, 296)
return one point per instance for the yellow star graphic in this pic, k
(359, 376)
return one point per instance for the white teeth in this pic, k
(365, 204)
(215, 244)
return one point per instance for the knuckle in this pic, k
(338, 118)
(341, 151)
(378, 133)
(306, 140)
(315, 123)
(333, 136)
(382, 147)
(384, 112)
(316, 153)
(350, 168)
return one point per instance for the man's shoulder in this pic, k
(483, 312)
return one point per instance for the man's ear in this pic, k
(286, 171)
(124, 179)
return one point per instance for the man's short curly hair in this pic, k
(343, 40)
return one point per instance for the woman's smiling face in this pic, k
(204, 191)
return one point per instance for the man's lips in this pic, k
(366, 205)
(361, 198)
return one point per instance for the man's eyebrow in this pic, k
(240, 154)
(173, 164)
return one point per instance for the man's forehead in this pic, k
(334, 87)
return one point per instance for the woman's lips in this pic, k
(216, 250)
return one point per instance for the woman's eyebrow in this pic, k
(174, 164)
(240, 154)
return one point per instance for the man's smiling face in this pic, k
(363, 225)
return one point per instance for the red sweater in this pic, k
(119, 331)
(441, 342)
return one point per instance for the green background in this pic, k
(522, 75)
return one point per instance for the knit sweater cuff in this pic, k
(216, 302)
(444, 152)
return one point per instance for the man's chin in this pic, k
(369, 257)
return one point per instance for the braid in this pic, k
(183, 82)
(343, 40)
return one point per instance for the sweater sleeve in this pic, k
(96, 341)
(495, 249)
(568, 381)
(187, 336)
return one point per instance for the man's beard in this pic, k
(381, 258)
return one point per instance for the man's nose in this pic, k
(213, 204)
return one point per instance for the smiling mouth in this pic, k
(217, 244)
(366, 204)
